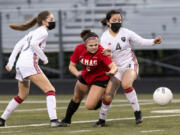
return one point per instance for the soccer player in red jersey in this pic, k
(93, 78)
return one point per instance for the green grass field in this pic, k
(31, 118)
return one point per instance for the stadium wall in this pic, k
(66, 86)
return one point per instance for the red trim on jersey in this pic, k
(128, 90)
(35, 64)
(50, 93)
(18, 99)
(134, 60)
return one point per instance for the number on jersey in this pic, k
(118, 46)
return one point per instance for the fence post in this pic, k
(61, 52)
(1, 56)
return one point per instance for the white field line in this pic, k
(61, 108)
(150, 131)
(80, 131)
(62, 101)
(150, 102)
(67, 101)
(90, 121)
(8, 132)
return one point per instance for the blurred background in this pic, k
(159, 65)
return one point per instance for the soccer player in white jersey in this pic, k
(31, 49)
(117, 42)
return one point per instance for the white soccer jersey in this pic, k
(120, 45)
(121, 48)
(31, 50)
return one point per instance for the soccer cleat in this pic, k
(138, 117)
(66, 121)
(2, 122)
(100, 123)
(57, 123)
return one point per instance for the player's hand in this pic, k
(110, 73)
(78, 74)
(106, 52)
(157, 40)
(8, 68)
(45, 62)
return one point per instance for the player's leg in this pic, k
(110, 91)
(127, 84)
(24, 87)
(80, 90)
(95, 94)
(44, 84)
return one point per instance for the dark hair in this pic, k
(41, 16)
(87, 33)
(108, 16)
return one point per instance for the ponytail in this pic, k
(23, 27)
(85, 34)
(103, 21)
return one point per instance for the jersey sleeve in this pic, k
(36, 40)
(16, 50)
(75, 56)
(103, 42)
(139, 40)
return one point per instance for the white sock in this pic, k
(13, 104)
(103, 111)
(51, 106)
(132, 97)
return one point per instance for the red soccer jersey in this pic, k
(94, 65)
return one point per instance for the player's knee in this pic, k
(90, 106)
(125, 85)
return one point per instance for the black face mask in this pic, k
(52, 25)
(115, 27)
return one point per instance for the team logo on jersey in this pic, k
(109, 43)
(89, 62)
(123, 39)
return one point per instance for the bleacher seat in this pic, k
(145, 17)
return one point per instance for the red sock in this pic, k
(50, 93)
(128, 90)
(18, 99)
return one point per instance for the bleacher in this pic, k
(148, 18)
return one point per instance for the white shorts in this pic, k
(23, 72)
(125, 67)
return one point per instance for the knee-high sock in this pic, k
(104, 110)
(51, 104)
(72, 108)
(132, 97)
(13, 104)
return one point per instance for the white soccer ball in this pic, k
(162, 96)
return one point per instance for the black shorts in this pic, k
(98, 83)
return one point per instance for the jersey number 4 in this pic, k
(118, 46)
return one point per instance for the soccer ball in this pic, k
(162, 96)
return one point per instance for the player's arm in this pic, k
(142, 41)
(35, 42)
(14, 54)
(73, 69)
(113, 69)
(73, 62)
(106, 51)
